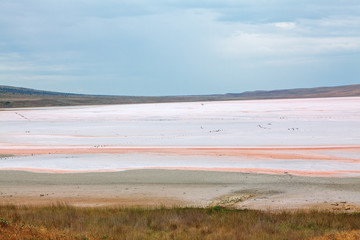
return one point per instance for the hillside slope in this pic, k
(339, 91)
(11, 97)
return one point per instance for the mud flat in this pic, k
(267, 154)
(319, 161)
(181, 188)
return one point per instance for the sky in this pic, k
(178, 47)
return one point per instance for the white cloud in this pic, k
(285, 25)
(290, 42)
(339, 22)
(250, 45)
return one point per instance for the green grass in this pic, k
(64, 222)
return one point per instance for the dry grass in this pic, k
(350, 235)
(16, 232)
(64, 222)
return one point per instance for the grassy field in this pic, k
(64, 222)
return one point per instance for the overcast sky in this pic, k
(169, 47)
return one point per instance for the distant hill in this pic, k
(339, 91)
(11, 97)
(29, 91)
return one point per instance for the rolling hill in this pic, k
(12, 97)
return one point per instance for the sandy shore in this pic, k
(180, 188)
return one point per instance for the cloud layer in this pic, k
(178, 47)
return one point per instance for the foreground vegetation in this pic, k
(64, 222)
